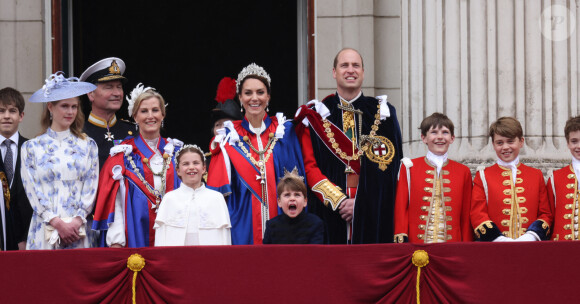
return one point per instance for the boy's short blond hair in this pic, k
(436, 120)
(572, 124)
(507, 127)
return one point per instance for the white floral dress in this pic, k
(60, 174)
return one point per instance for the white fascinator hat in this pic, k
(57, 87)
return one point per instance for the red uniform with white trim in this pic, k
(439, 204)
(563, 193)
(512, 207)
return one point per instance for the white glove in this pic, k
(529, 236)
(502, 238)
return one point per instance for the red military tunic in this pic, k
(562, 191)
(513, 208)
(438, 210)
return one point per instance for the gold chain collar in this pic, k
(360, 151)
(163, 174)
(268, 150)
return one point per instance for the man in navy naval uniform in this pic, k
(102, 124)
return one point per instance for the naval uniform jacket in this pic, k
(96, 128)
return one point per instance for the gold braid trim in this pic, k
(545, 225)
(330, 193)
(481, 229)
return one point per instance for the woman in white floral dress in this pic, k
(60, 168)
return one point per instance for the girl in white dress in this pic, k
(192, 214)
(60, 168)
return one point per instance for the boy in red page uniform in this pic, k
(563, 188)
(433, 192)
(509, 199)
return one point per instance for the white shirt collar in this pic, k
(437, 160)
(14, 138)
(513, 165)
(191, 190)
(576, 166)
(259, 130)
(350, 101)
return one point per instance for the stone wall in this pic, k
(22, 54)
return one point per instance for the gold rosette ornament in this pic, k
(135, 262)
(420, 259)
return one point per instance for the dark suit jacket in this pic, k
(20, 213)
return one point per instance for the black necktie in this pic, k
(8, 161)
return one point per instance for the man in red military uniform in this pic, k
(437, 209)
(563, 188)
(509, 199)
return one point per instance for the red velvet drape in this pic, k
(456, 273)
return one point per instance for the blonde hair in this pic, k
(146, 95)
(76, 128)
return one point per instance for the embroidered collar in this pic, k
(144, 148)
(100, 122)
(266, 121)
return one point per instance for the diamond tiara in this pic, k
(252, 69)
(189, 146)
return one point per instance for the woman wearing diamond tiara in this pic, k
(249, 157)
(192, 214)
(60, 168)
(136, 176)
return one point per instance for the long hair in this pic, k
(76, 128)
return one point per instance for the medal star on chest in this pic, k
(109, 136)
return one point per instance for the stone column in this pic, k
(23, 55)
(479, 60)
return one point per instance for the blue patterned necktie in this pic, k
(8, 166)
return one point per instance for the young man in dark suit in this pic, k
(17, 210)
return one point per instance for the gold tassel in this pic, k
(420, 259)
(135, 262)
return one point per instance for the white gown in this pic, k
(190, 216)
